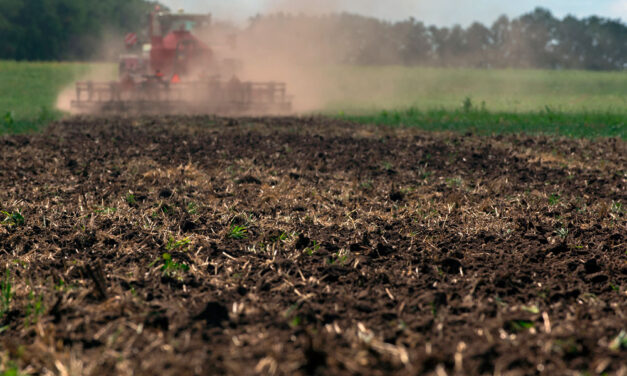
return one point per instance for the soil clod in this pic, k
(214, 314)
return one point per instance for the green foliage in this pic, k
(387, 166)
(454, 182)
(11, 370)
(554, 199)
(520, 325)
(295, 322)
(34, 308)
(564, 102)
(64, 29)
(338, 258)
(8, 119)
(580, 103)
(238, 232)
(434, 309)
(171, 268)
(130, 199)
(580, 125)
(175, 244)
(30, 103)
(569, 103)
(192, 208)
(60, 285)
(467, 105)
(617, 207)
(366, 185)
(13, 219)
(314, 248)
(6, 293)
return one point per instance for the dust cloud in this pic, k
(301, 43)
(97, 72)
(65, 98)
(317, 7)
(269, 51)
(295, 50)
(286, 43)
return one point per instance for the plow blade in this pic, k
(215, 97)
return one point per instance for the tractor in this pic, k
(176, 72)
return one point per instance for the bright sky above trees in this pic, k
(441, 12)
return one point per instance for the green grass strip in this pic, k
(576, 125)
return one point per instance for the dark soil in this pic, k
(182, 246)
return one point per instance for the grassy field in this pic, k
(359, 89)
(569, 103)
(580, 125)
(572, 103)
(29, 92)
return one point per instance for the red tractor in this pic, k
(176, 72)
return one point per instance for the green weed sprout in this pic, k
(467, 105)
(12, 370)
(554, 199)
(34, 308)
(13, 219)
(6, 293)
(617, 207)
(310, 251)
(130, 199)
(562, 232)
(192, 208)
(520, 325)
(238, 232)
(171, 268)
(8, 119)
(175, 244)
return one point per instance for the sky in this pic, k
(439, 12)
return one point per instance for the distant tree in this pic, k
(415, 46)
(480, 42)
(534, 40)
(62, 29)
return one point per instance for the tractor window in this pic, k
(183, 25)
(188, 23)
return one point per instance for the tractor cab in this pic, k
(166, 22)
(175, 50)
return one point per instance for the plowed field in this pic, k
(199, 245)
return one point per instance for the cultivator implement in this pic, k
(198, 97)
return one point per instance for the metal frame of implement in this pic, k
(198, 97)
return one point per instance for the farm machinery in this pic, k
(176, 72)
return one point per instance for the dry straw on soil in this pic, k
(306, 246)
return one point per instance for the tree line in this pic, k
(533, 40)
(64, 29)
(77, 30)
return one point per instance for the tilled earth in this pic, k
(200, 245)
